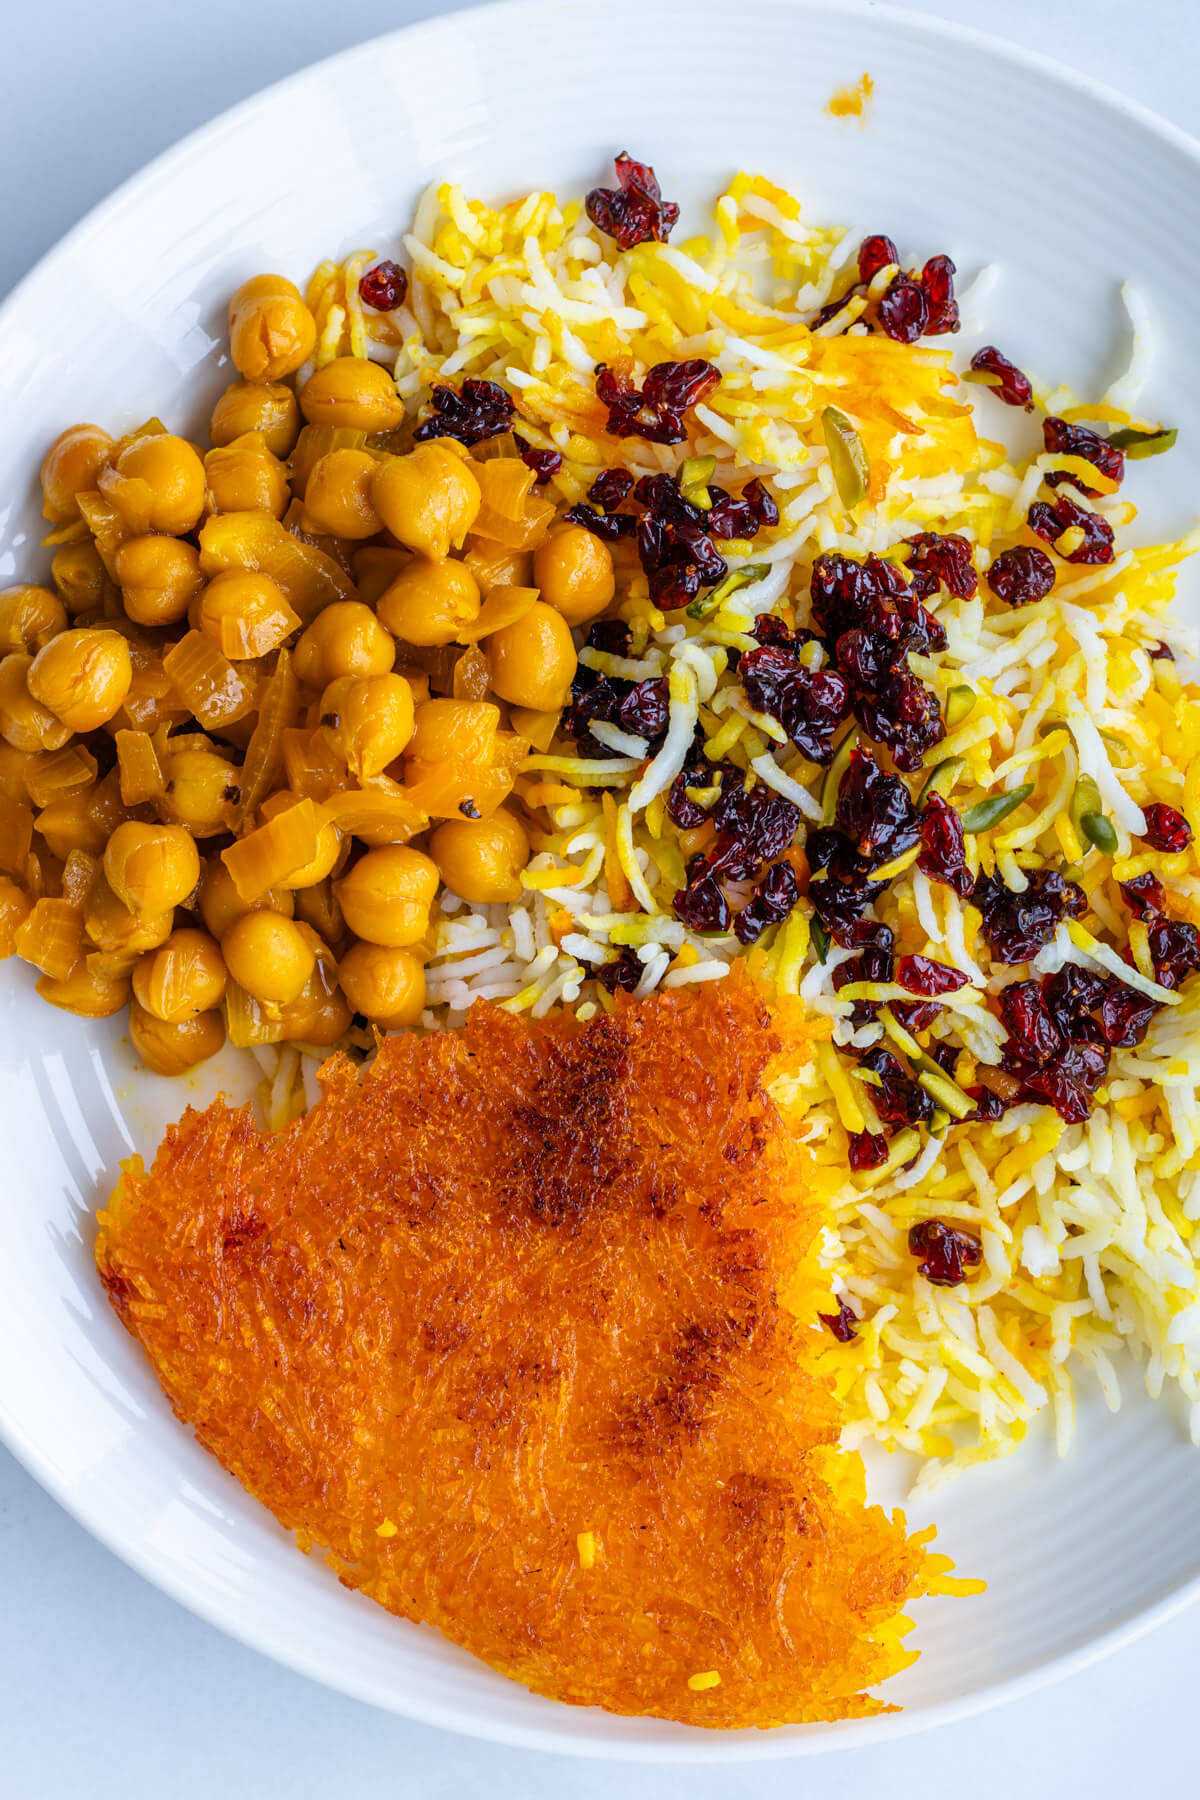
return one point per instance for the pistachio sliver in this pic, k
(987, 813)
(1085, 799)
(941, 778)
(1099, 830)
(1140, 444)
(694, 477)
(960, 701)
(746, 576)
(847, 458)
(820, 940)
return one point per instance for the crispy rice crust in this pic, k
(498, 1325)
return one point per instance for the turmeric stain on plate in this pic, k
(851, 102)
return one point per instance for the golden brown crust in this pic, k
(516, 1286)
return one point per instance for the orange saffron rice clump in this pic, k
(499, 1325)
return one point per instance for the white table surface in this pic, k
(110, 1691)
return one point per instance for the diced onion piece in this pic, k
(57, 772)
(383, 813)
(312, 769)
(141, 775)
(214, 690)
(51, 937)
(16, 835)
(264, 753)
(503, 606)
(246, 1020)
(263, 859)
(310, 578)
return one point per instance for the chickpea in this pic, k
(532, 661)
(354, 392)
(86, 992)
(174, 1049)
(367, 720)
(575, 573)
(320, 1014)
(329, 843)
(159, 577)
(156, 484)
(465, 729)
(481, 860)
(344, 639)
(221, 905)
(24, 722)
(82, 677)
(80, 577)
(338, 496)
(245, 614)
(183, 977)
(199, 786)
(429, 603)
(269, 407)
(385, 984)
(387, 895)
(428, 499)
(270, 956)
(151, 868)
(271, 331)
(67, 824)
(117, 931)
(243, 476)
(29, 617)
(71, 467)
(15, 907)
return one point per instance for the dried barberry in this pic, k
(1174, 950)
(624, 971)
(904, 714)
(923, 975)
(1061, 438)
(544, 463)
(754, 826)
(384, 288)
(945, 1252)
(1014, 388)
(1068, 1082)
(810, 704)
(477, 411)
(875, 253)
(1125, 1016)
(611, 488)
(904, 309)
(915, 1015)
(1017, 925)
(846, 593)
(896, 1097)
(843, 1323)
(697, 772)
(937, 279)
(1072, 995)
(634, 212)
(770, 903)
(1050, 522)
(1162, 652)
(1166, 829)
(944, 846)
(609, 526)
(945, 559)
(1021, 576)
(702, 906)
(1029, 1022)
(612, 637)
(655, 411)
(839, 885)
(875, 810)
(645, 709)
(1144, 896)
(988, 1105)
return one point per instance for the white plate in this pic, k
(967, 147)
